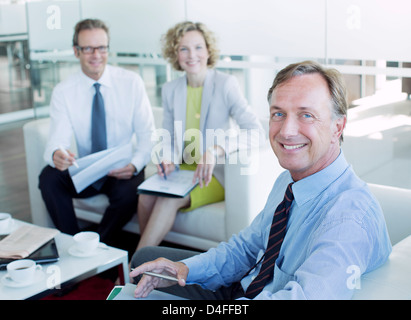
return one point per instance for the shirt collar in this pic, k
(310, 187)
(105, 79)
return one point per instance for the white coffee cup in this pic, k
(5, 222)
(87, 241)
(23, 271)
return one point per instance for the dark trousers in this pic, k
(192, 292)
(58, 191)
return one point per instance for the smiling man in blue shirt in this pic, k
(335, 225)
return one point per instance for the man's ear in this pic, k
(76, 51)
(339, 127)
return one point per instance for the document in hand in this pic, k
(97, 165)
(178, 184)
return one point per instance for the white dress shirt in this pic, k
(127, 108)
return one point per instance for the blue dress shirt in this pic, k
(336, 231)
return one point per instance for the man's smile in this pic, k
(293, 147)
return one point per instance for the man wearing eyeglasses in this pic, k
(103, 107)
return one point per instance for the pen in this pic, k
(159, 275)
(65, 152)
(161, 166)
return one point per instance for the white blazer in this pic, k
(222, 101)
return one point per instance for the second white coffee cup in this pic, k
(87, 241)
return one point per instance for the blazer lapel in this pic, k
(180, 108)
(206, 98)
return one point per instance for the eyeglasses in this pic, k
(90, 50)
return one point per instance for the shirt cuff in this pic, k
(194, 269)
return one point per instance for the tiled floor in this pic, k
(14, 196)
(15, 95)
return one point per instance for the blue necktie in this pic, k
(98, 129)
(98, 122)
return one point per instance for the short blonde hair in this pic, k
(89, 24)
(171, 41)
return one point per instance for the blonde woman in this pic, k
(202, 99)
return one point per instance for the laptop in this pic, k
(45, 254)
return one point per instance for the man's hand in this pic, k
(123, 173)
(161, 265)
(62, 161)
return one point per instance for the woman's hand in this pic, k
(205, 168)
(168, 168)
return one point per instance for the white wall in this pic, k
(135, 25)
(51, 24)
(280, 28)
(369, 29)
(12, 19)
(343, 29)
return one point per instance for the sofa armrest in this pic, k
(247, 186)
(395, 203)
(35, 139)
(390, 281)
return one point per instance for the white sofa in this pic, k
(202, 228)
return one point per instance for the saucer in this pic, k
(76, 253)
(7, 281)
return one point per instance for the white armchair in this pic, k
(393, 279)
(247, 189)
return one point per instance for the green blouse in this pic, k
(192, 134)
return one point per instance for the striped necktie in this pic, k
(277, 234)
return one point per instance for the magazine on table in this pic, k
(22, 242)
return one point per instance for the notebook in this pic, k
(178, 184)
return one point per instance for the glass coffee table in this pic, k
(70, 269)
